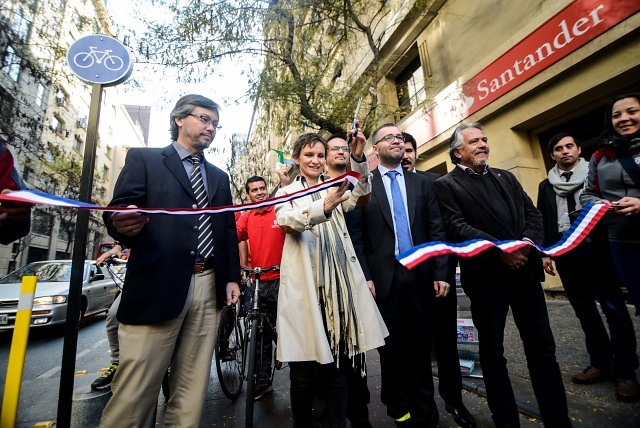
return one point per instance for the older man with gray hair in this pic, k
(479, 202)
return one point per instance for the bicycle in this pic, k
(110, 61)
(237, 344)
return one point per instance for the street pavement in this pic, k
(589, 405)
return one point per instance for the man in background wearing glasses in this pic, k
(403, 212)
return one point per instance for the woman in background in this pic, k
(614, 179)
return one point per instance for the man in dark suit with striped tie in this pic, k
(182, 267)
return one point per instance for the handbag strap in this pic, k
(631, 167)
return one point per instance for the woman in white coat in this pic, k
(327, 318)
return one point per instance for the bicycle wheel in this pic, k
(251, 372)
(229, 353)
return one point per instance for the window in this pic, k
(6, 108)
(105, 172)
(78, 143)
(57, 125)
(21, 25)
(28, 175)
(11, 63)
(40, 95)
(42, 223)
(61, 98)
(109, 152)
(81, 122)
(410, 87)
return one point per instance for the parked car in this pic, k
(52, 291)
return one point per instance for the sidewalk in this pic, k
(589, 406)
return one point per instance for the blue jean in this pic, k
(626, 256)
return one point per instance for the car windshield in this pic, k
(46, 272)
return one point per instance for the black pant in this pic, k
(304, 377)
(445, 345)
(587, 269)
(407, 384)
(490, 302)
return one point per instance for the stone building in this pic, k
(45, 111)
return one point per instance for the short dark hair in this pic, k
(374, 135)
(185, 106)
(556, 138)
(408, 138)
(337, 135)
(253, 179)
(309, 139)
(456, 139)
(608, 113)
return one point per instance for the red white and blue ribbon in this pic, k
(581, 227)
(42, 198)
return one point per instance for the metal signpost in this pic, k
(101, 61)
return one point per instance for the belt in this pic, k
(200, 267)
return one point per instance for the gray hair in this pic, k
(185, 106)
(456, 139)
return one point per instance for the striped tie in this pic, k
(205, 239)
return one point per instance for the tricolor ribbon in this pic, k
(581, 227)
(42, 198)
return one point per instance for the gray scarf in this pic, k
(577, 180)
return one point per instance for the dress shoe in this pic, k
(627, 390)
(591, 375)
(461, 415)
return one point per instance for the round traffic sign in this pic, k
(98, 58)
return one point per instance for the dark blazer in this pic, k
(162, 256)
(379, 237)
(469, 214)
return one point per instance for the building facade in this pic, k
(45, 111)
(525, 70)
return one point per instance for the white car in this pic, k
(52, 291)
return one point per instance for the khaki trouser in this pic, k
(146, 351)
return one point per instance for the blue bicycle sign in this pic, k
(100, 59)
(87, 59)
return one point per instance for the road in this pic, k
(43, 362)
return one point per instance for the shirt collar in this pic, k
(182, 152)
(470, 171)
(383, 170)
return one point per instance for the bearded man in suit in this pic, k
(479, 202)
(403, 212)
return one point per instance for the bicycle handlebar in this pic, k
(113, 260)
(259, 270)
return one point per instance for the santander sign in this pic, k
(574, 26)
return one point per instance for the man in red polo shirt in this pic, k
(266, 240)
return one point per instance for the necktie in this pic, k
(205, 239)
(403, 233)
(571, 199)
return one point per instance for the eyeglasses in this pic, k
(206, 120)
(390, 137)
(336, 148)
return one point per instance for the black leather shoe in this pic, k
(461, 415)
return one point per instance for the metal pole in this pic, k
(18, 352)
(65, 394)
